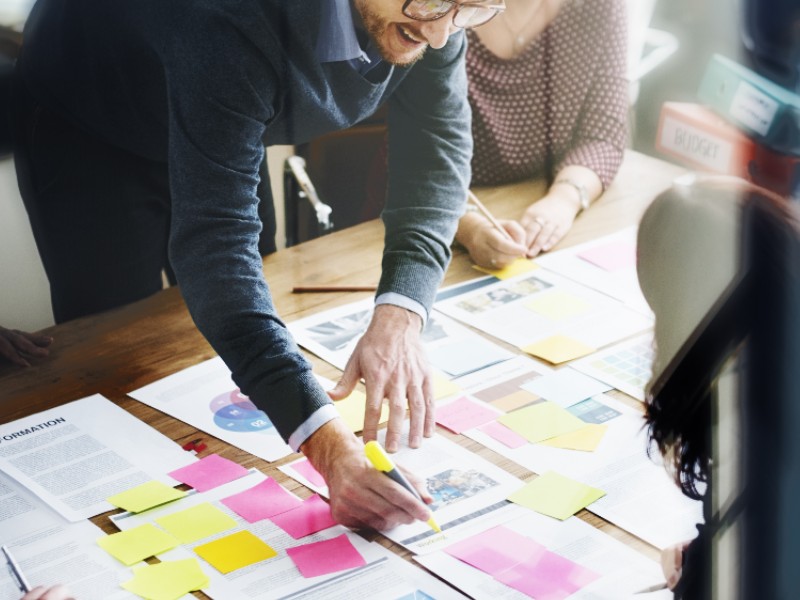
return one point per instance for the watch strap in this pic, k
(583, 193)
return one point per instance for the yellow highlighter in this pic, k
(381, 461)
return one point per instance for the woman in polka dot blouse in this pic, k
(549, 94)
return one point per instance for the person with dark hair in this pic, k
(698, 263)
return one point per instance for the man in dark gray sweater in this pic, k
(141, 127)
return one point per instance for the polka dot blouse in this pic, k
(567, 91)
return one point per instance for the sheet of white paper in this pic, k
(278, 577)
(626, 366)
(452, 348)
(504, 378)
(623, 570)
(465, 487)
(505, 310)
(566, 387)
(51, 550)
(77, 455)
(206, 397)
(622, 284)
(640, 496)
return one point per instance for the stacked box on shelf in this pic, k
(747, 126)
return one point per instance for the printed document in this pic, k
(620, 571)
(452, 348)
(206, 397)
(539, 306)
(278, 577)
(75, 456)
(465, 487)
(51, 550)
(640, 496)
(607, 264)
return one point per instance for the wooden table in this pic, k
(124, 349)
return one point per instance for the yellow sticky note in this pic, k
(555, 495)
(558, 349)
(145, 496)
(514, 401)
(167, 580)
(557, 305)
(587, 438)
(196, 523)
(443, 387)
(134, 545)
(541, 421)
(352, 410)
(518, 267)
(235, 551)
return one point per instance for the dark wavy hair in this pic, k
(678, 413)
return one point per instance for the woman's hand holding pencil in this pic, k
(491, 243)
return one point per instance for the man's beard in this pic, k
(377, 27)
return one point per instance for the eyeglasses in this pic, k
(467, 16)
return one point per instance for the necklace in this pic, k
(519, 39)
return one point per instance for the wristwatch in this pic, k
(583, 194)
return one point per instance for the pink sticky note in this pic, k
(547, 576)
(503, 434)
(262, 501)
(611, 257)
(209, 472)
(307, 470)
(495, 550)
(464, 414)
(314, 515)
(327, 556)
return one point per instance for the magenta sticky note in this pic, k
(262, 501)
(495, 550)
(328, 556)
(611, 257)
(547, 576)
(503, 434)
(307, 470)
(312, 516)
(209, 472)
(464, 414)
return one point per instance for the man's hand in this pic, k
(360, 495)
(19, 346)
(392, 362)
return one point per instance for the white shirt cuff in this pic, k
(318, 418)
(396, 299)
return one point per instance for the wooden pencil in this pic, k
(305, 289)
(489, 216)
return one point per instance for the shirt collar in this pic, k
(337, 40)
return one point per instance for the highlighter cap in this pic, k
(378, 457)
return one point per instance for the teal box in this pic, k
(759, 107)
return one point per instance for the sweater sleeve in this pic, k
(221, 93)
(600, 136)
(430, 147)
